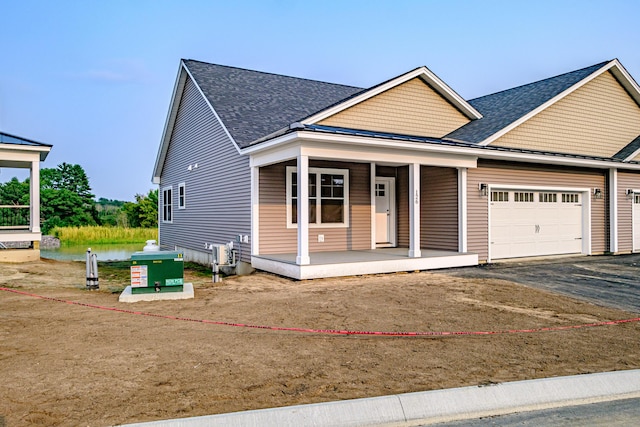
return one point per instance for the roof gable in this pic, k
(253, 104)
(503, 109)
(410, 108)
(423, 73)
(598, 118)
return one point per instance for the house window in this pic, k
(182, 197)
(499, 196)
(328, 197)
(167, 206)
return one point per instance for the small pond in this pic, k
(121, 252)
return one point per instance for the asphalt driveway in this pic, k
(606, 280)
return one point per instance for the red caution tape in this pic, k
(333, 331)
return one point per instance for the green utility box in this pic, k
(157, 271)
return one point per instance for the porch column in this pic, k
(255, 210)
(414, 211)
(372, 187)
(34, 197)
(613, 210)
(303, 210)
(462, 210)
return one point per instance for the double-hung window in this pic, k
(182, 196)
(328, 197)
(167, 205)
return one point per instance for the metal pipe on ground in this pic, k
(92, 270)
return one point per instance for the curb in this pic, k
(412, 409)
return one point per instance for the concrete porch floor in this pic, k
(357, 262)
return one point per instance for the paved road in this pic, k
(606, 280)
(617, 413)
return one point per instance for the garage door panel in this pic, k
(526, 223)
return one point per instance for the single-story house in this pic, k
(313, 179)
(21, 223)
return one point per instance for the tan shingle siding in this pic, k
(412, 108)
(598, 119)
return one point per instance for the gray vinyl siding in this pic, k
(625, 206)
(531, 175)
(218, 191)
(275, 237)
(439, 208)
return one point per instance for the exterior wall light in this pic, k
(597, 193)
(484, 189)
(630, 193)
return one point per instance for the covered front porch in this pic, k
(20, 222)
(326, 206)
(358, 262)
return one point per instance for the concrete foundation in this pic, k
(206, 258)
(127, 296)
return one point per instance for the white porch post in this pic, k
(373, 205)
(414, 211)
(255, 210)
(34, 196)
(613, 210)
(303, 210)
(462, 210)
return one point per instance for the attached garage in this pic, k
(527, 222)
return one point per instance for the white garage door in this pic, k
(535, 223)
(636, 222)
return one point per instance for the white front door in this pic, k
(385, 212)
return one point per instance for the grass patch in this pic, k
(103, 235)
(198, 269)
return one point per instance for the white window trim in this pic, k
(182, 187)
(344, 172)
(164, 189)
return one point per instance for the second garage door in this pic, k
(534, 223)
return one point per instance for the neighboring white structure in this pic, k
(17, 152)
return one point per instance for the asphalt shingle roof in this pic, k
(628, 150)
(6, 138)
(503, 108)
(254, 104)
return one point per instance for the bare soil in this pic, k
(63, 364)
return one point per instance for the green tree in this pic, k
(66, 198)
(144, 212)
(14, 192)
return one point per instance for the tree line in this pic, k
(66, 201)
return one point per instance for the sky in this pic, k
(95, 78)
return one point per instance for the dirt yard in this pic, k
(63, 364)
